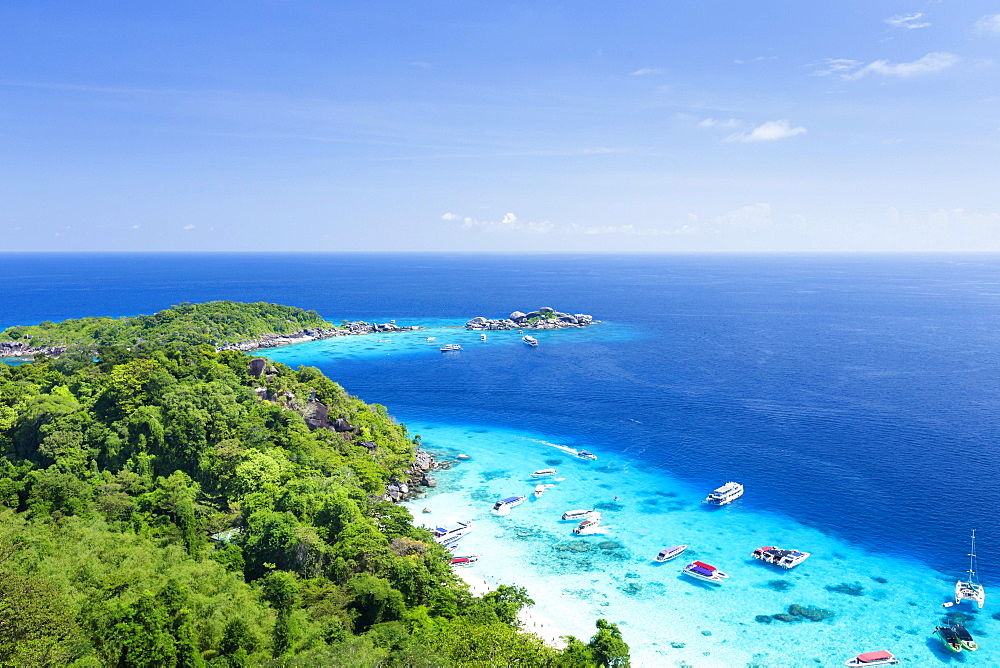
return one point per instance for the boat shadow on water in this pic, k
(941, 653)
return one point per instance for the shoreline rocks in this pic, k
(544, 318)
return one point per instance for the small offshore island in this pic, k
(168, 500)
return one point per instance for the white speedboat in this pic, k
(702, 571)
(482, 337)
(780, 557)
(585, 454)
(449, 536)
(725, 494)
(880, 658)
(450, 347)
(671, 553)
(543, 472)
(577, 515)
(503, 506)
(530, 340)
(589, 525)
(540, 489)
(970, 589)
(430, 338)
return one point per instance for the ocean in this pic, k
(855, 396)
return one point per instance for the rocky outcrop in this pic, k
(316, 415)
(342, 425)
(419, 475)
(257, 365)
(314, 333)
(544, 318)
(23, 349)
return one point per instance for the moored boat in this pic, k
(970, 589)
(702, 571)
(540, 489)
(465, 561)
(671, 553)
(968, 642)
(589, 525)
(482, 337)
(879, 658)
(949, 638)
(780, 557)
(725, 494)
(503, 506)
(450, 347)
(544, 472)
(577, 515)
(530, 340)
(450, 536)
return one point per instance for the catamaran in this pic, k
(970, 589)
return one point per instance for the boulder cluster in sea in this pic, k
(543, 318)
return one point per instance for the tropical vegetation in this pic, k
(161, 505)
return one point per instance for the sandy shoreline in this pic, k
(531, 618)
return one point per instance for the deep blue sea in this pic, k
(856, 397)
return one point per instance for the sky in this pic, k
(730, 125)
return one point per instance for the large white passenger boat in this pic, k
(725, 494)
(530, 340)
(503, 506)
(589, 525)
(541, 473)
(577, 515)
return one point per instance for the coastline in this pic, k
(533, 619)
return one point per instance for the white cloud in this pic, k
(509, 223)
(135, 227)
(838, 66)
(855, 69)
(770, 131)
(908, 21)
(989, 24)
(752, 217)
(188, 227)
(729, 123)
(643, 71)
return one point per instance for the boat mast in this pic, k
(972, 559)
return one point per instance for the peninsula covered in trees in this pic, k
(162, 505)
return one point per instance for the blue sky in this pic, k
(652, 126)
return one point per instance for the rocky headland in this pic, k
(26, 350)
(544, 318)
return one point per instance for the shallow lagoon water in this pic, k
(877, 601)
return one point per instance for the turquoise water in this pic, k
(876, 600)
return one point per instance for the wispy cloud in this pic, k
(643, 71)
(189, 226)
(770, 131)
(989, 24)
(855, 69)
(421, 64)
(751, 217)
(908, 21)
(508, 223)
(729, 123)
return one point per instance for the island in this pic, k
(544, 318)
(167, 503)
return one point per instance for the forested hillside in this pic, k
(215, 323)
(119, 465)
